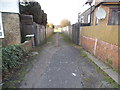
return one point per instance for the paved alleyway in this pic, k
(62, 67)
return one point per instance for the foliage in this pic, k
(34, 8)
(44, 18)
(67, 39)
(65, 23)
(11, 56)
(99, 70)
(50, 25)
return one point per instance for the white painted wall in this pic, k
(1, 27)
(9, 6)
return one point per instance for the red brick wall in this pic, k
(104, 51)
(108, 53)
(88, 43)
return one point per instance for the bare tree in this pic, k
(65, 22)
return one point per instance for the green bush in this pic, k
(11, 56)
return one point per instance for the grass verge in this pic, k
(67, 39)
(99, 70)
(50, 38)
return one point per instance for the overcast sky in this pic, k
(62, 9)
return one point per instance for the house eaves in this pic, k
(110, 0)
(107, 2)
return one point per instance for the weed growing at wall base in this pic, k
(11, 56)
(106, 77)
(67, 39)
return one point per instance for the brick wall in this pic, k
(88, 44)
(102, 39)
(11, 26)
(108, 53)
(104, 51)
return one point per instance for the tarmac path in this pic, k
(60, 65)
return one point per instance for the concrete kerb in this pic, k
(114, 75)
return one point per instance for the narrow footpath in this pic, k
(60, 65)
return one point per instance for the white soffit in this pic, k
(1, 27)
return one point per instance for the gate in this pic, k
(76, 33)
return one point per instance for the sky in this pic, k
(58, 10)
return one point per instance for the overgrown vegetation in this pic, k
(106, 77)
(50, 25)
(33, 8)
(17, 77)
(12, 56)
(67, 39)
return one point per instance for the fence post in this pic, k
(78, 28)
